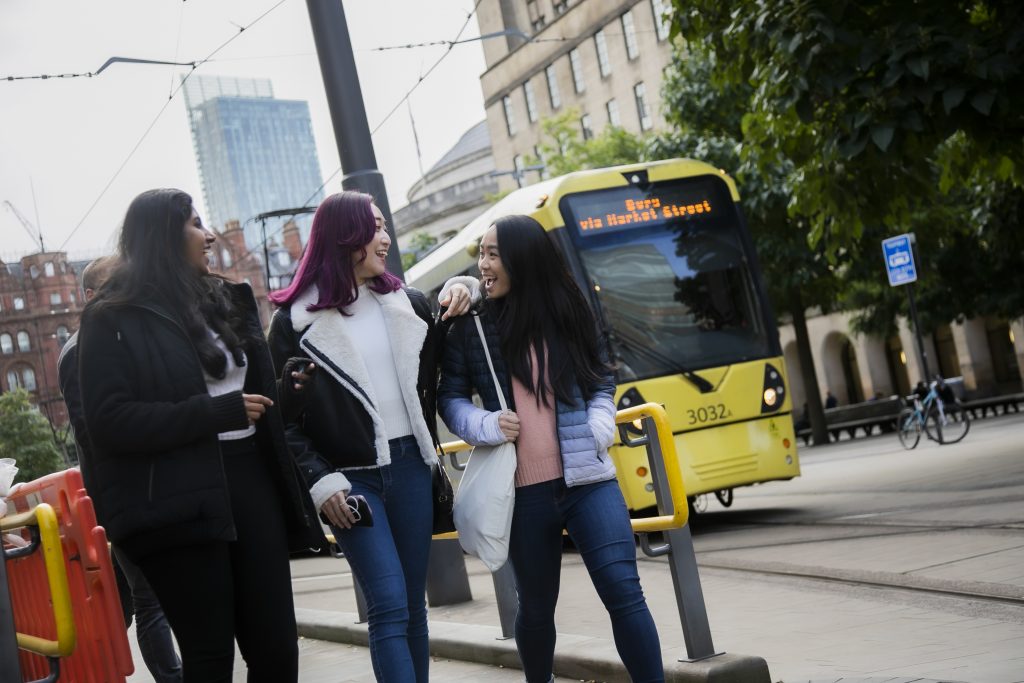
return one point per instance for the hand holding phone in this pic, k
(344, 511)
(358, 506)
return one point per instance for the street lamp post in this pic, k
(348, 116)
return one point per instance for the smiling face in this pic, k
(198, 244)
(492, 270)
(373, 264)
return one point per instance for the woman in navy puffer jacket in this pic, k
(559, 389)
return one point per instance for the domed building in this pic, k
(453, 192)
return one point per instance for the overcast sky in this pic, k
(67, 137)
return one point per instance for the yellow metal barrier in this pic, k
(43, 517)
(680, 510)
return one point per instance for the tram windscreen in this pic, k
(669, 269)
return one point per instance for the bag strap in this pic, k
(487, 352)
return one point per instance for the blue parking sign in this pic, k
(899, 259)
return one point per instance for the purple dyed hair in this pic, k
(343, 225)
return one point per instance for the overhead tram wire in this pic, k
(451, 44)
(194, 65)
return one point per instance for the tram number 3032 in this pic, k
(708, 413)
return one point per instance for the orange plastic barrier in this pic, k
(102, 653)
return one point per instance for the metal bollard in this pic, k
(508, 600)
(447, 580)
(681, 558)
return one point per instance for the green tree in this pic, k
(707, 124)
(420, 243)
(25, 435)
(563, 149)
(862, 98)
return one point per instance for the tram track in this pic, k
(756, 557)
(1013, 596)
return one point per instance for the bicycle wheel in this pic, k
(956, 424)
(933, 426)
(908, 427)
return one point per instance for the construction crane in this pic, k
(33, 231)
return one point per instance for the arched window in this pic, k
(6, 343)
(33, 270)
(19, 303)
(225, 258)
(62, 335)
(22, 376)
(24, 344)
(48, 269)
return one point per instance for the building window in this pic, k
(629, 33)
(225, 258)
(62, 335)
(588, 127)
(560, 6)
(33, 270)
(661, 25)
(510, 120)
(612, 107)
(556, 97)
(536, 18)
(24, 344)
(643, 111)
(26, 379)
(604, 65)
(531, 101)
(543, 163)
(576, 65)
(55, 299)
(6, 343)
(48, 270)
(19, 303)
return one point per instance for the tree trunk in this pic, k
(816, 413)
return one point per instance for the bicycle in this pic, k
(943, 421)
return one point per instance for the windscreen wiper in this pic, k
(703, 385)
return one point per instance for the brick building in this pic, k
(40, 302)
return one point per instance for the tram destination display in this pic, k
(623, 208)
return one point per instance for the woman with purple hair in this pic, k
(364, 430)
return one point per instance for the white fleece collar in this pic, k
(325, 338)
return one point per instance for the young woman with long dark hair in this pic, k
(367, 427)
(191, 472)
(550, 363)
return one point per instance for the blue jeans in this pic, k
(151, 627)
(389, 559)
(596, 518)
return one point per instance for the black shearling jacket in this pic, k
(338, 427)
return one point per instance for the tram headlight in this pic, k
(773, 391)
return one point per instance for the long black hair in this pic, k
(544, 308)
(153, 268)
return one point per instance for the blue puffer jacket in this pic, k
(585, 428)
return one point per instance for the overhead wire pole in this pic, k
(348, 115)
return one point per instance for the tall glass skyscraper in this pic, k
(256, 153)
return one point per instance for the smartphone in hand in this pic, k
(361, 509)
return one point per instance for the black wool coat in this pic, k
(157, 472)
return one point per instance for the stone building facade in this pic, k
(603, 57)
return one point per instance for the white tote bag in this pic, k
(487, 492)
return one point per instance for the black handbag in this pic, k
(444, 497)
